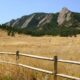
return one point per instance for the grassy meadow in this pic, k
(67, 48)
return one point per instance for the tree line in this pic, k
(48, 29)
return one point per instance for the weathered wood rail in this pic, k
(55, 59)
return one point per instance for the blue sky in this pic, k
(12, 9)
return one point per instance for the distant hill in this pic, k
(64, 23)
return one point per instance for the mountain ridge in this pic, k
(47, 23)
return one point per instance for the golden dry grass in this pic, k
(63, 47)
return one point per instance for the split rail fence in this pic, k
(55, 61)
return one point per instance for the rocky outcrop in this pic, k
(36, 19)
(45, 20)
(10, 23)
(65, 16)
(27, 21)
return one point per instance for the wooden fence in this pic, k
(55, 60)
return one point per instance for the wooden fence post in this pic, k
(55, 67)
(17, 66)
(17, 55)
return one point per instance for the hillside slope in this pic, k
(64, 23)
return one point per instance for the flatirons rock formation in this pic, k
(47, 23)
(67, 18)
(64, 16)
(36, 19)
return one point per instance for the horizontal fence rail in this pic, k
(30, 67)
(55, 59)
(28, 55)
(67, 76)
(43, 58)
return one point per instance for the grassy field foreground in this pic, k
(48, 46)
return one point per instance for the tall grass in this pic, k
(64, 47)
